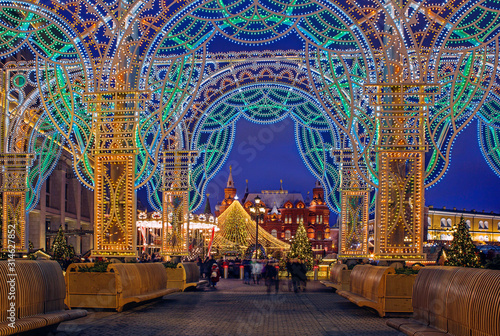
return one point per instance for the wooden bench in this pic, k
(339, 277)
(378, 287)
(453, 301)
(120, 285)
(38, 292)
(186, 275)
(193, 275)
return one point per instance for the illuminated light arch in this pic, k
(265, 104)
(212, 134)
(90, 47)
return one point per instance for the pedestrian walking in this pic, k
(299, 278)
(214, 275)
(288, 266)
(271, 277)
(247, 270)
(206, 268)
(201, 266)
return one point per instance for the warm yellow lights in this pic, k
(115, 121)
(176, 170)
(14, 169)
(401, 108)
(354, 204)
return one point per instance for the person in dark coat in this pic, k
(299, 277)
(271, 277)
(288, 266)
(247, 270)
(199, 262)
(208, 266)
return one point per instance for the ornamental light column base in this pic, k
(400, 114)
(115, 115)
(176, 167)
(355, 202)
(14, 187)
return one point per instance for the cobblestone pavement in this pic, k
(236, 309)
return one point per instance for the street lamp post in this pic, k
(257, 211)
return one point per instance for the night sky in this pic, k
(469, 182)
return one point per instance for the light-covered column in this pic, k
(400, 110)
(115, 117)
(14, 186)
(355, 203)
(176, 168)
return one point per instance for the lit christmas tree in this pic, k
(462, 251)
(237, 227)
(301, 247)
(60, 248)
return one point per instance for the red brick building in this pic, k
(285, 211)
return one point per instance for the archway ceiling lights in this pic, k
(163, 47)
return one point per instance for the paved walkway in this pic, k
(237, 309)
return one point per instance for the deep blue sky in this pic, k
(469, 182)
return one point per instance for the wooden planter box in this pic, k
(120, 285)
(176, 278)
(398, 292)
(91, 290)
(339, 277)
(378, 287)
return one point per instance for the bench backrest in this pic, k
(39, 288)
(336, 272)
(458, 300)
(369, 281)
(429, 295)
(133, 279)
(484, 315)
(192, 271)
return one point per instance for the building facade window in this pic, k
(288, 234)
(274, 233)
(448, 222)
(467, 222)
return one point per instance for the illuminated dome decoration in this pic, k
(118, 83)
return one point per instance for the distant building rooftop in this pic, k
(472, 212)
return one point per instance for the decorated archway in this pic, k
(121, 84)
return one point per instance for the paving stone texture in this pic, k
(234, 308)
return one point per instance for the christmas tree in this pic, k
(462, 251)
(60, 248)
(301, 247)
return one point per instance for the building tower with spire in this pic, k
(229, 194)
(208, 208)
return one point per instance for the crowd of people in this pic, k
(254, 271)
